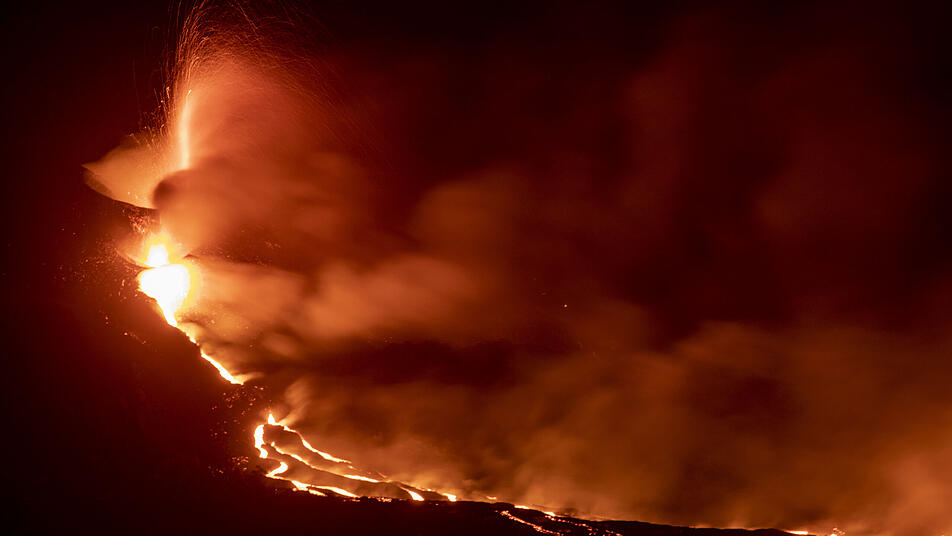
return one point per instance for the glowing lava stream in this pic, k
(168, 281)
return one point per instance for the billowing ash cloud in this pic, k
(689, 268)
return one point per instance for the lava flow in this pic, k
(169, 281)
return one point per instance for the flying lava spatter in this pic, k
(170, 279)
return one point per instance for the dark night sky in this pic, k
(714, 186)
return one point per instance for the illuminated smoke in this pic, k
(699, 289)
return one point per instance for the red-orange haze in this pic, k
(696, 278)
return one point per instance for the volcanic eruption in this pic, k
(678, 279)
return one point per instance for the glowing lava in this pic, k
(221, 369)
(166, 282)
(169, 281)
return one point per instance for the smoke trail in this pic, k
(700, 280)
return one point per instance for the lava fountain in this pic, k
(167, 282)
